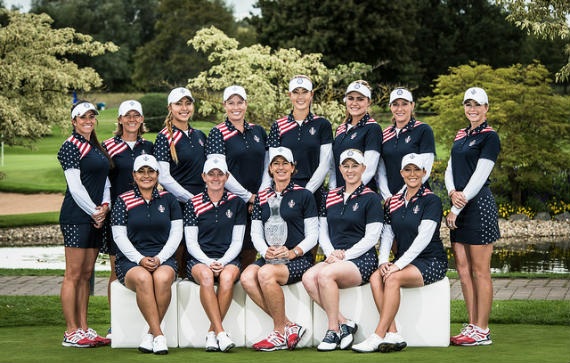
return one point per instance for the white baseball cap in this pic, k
(130, 105)
(81, 108)
(360, 88)
(300, 82)
(178, 93)
(282, 151)
(353, 154)
(413, 158)
(234, 90)
(145, 160)
(476, 94)
(401, 93)
(215, 163)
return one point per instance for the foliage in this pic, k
(558, 207)
(155, 110)
(265, 73)
(35, 75)
(166, 61)
(546, 19)
(127, 23)
(532, 122)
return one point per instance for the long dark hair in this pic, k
(93, 139)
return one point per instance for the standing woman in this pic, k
(262, 281)
(242, 146)
(349, 227)
(405, 136)
(413, 217)
(123, 148)
(147, 228)
(308, 136)
(473, 218)
(358, 131)
(86, 165)
(214, 224)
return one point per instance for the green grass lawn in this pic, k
(32, 219)
(523, 331)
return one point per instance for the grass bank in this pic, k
(32, 219)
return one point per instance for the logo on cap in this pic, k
(229, 213)
(145, 158)
(280, 149)
(473, 91)
(182, 90)
(235, 88)
(215, 161)
(299, 81)
(400, 92)
(131, 103)
(350, 153)
(357, 86)
(355, 207)
(291, 203)
(412, 156)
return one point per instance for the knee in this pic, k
(393, 283)
(324, 277)
(265, 276)
(248, 279)
(143, 279)
(162, 278)
(309, 281)
(481, 272)
(206, 277)
(227, 280)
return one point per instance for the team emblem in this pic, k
(256, 138)
(408, 139)
(299, 81)
(473, 91)
(399, 92)
(229, 213)
(355, 207)
(353, 136)
(312, 131)
(416, 209)
(132, 103)
(472, 143)
(357, 86)
(291, 203)
(201, 142)
(161, 208)
(235, 88)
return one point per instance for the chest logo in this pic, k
(312, 131)
(229, 213)
(416, 209)
(355, 207)
(161, 208)
(256, 138)
(291, 203)
(472, 142)
(408, 139)
(201, 142)
(353, 136)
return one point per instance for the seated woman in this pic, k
(262, 281)
(349, 227)
(214, 225)
(147, 228)
(413, 217)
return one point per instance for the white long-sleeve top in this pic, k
(318, 177)
(128, 249)
(80, 194)
(191, 236)
(476, 182)
(311, 229)
(168, 182)
(371, 236)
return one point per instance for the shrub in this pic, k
(155, 110)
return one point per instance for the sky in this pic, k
(241, 7)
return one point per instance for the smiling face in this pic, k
(145, 178)
(412, 175)
(235, 107)
(352, 172)
(281, 169)
(215, 180)
(475, 112)
(301, 99)
(402, 110)
(182, 110)
(131, 122)
(357, 105)
(85, 124)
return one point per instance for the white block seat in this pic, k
(193, 323)
(298, 308)
(423, 317)
(128, 323)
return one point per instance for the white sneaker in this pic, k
(159, 345)
(211, 342)
(331, 341)
(371, 344)
(397, 341)
(146, 344)
(224, 342)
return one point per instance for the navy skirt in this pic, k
(478, 223)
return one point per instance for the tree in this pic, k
(265, 74)
(166, 61)
(36, 78)
(376, 32)
(532, 122)
(127, 23)
(546, 19)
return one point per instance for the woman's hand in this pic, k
(216, 268)
(335, 256)
(450, 220)
(458, 199)
(388, 271)
(100, 214)
(149, 263)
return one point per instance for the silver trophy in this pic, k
(275, 229)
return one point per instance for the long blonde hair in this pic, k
(364, 83)
(168, 125)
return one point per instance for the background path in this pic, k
(16, 203)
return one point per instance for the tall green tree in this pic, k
(166, 61)
(532, 121)
(376, 32)
(36, 77)
(127, 23)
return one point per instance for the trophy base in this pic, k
(277, 261)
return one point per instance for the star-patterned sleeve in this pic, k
(119, 213)
(190, 219)
(69, 156)
(175, 210)
(256, 212)
(161, 148)
(274, 139)
(387, 216)
(323, 206)
(215, 143)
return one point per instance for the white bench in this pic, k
(193, 323)
(128, 323)
(298, 308)
(422, 320)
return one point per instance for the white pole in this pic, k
(2, 157)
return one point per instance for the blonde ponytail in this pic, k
(168, 124)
